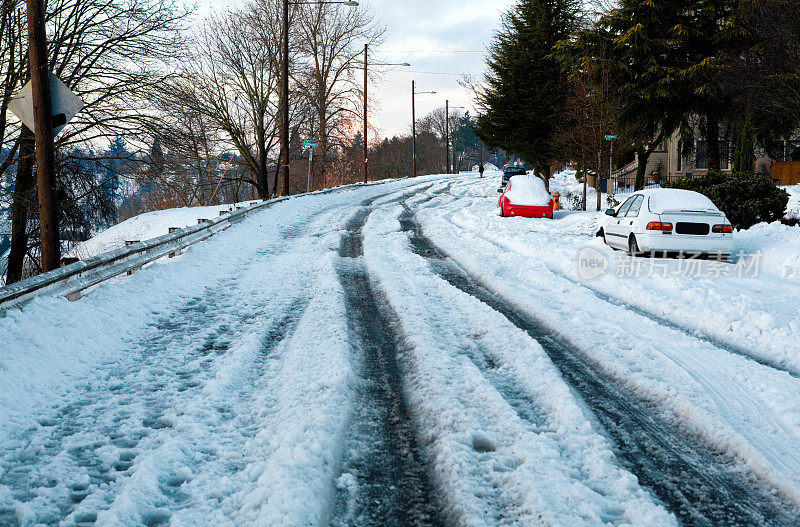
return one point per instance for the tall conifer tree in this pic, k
(524, 93)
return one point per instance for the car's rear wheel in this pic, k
(633, 247)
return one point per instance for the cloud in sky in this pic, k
(423, 33)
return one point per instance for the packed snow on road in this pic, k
(399, 354)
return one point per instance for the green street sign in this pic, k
(611, 137)
(310, 144)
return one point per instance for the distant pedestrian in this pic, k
(764, 166)
(481, 168)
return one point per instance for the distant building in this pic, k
(674, 159)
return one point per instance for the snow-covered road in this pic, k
(399, 355)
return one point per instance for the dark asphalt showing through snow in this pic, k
(386, 480)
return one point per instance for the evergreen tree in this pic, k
(525, 87)
(707, 30)
(745, 150)
(634, 47)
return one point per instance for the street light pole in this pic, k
(366, 106)
(447, 134)
(366, 85)
(285, 101)
(413, 131)
(414, 92)
(43, 130)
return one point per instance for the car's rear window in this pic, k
(679, 200)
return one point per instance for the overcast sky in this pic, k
(425, 33)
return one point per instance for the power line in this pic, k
(430, 51)
(435, 73)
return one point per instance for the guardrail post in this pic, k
(178, 252)
(132, 242)
(203, 220)
(74, 297)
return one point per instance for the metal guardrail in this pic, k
(70, 280)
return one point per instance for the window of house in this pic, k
(775, 150)
(701, 155)
(724, 154)
(792, 152)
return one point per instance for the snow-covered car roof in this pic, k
(673, 199)
(527, 190)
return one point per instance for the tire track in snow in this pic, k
(691, 333)
(660, 320)
(385, 480)
(502, 381)
(699, 485)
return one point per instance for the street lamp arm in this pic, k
(352, 4)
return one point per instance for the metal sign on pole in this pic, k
(311, 145)
(310, 161)
(65, 104)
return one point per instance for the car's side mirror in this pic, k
(611, 212)
(500, 190)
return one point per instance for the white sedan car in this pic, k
(668, 221)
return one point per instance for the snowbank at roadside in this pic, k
(147, 226)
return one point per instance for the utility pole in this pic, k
(43, 130)
(447, 133)
(366, 83)
(414, 92)
(284, 100)
(413, 131)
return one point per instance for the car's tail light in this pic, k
(727, 229)
(659, 226)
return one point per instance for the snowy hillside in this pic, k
(147, 226)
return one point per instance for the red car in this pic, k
(527, 197)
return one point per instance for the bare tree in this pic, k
(332, 42)
(230, 83)
(109, 52)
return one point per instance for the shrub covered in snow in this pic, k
(746, 199)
